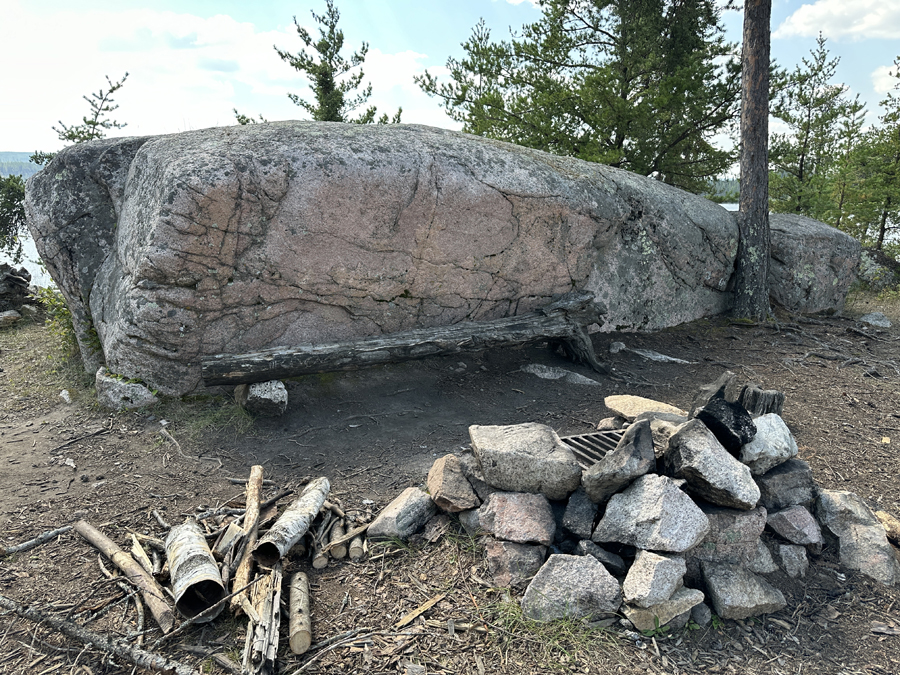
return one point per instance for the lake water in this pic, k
(39, 276)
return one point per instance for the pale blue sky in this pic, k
(192, 61)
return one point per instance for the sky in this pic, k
(191, 62)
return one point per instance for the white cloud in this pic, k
(884, 79)
(534, 3)
(857, 20)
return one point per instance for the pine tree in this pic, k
(638, 84)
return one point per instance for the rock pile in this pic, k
(689, 510)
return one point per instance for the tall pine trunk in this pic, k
(751, 287)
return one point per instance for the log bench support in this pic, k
(561, 323)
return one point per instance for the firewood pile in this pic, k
(227, 559)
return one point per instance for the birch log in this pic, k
(196, 582)
(153, 595)
(251, 521)
(340, 550)
(300, 625)
(357, 548)
(292, 524)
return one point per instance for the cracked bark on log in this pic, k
(292, 524)
(563, 321)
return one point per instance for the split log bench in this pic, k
(563, 323)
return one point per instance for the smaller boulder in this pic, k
(797, 525)
(653, 578)
(647, 619)
(733, 535)
(520, 517)
(737, 593)
(632, 457)
(526, 458)
(449, 488)
(793, 560)
(712, 473)
(877, 319)
(773, 444)
(701, 615)
(116, 393)
(571, 587)
(787, 484)
(510, 564)
(266, 399)
(404, 516)
(579, 515)
(729, 422)
(9, 318)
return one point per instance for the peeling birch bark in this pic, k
(292, 524)
(196, 582)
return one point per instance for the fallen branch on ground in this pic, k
(34, 543)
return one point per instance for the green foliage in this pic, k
(243, 120)
(329, 74)
(657, 630)
(12, 216)
(824, 126)
(59, 319)
(96, 124)
(638, 84)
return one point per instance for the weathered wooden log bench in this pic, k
(563, 323)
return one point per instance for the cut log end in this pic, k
(266, 554)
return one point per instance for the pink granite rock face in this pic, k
(520, 517)
(244, 238)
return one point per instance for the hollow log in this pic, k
(251, 521)
(292, 524)
(196, 582)
(563, 321)
(300, 625)
(151, 592)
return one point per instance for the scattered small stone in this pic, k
(571, 587)
(701, 615)
(65, 396)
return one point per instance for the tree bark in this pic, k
(564, 320)
(751, 283)
(292, 524)
(251, 521)
(300, 627)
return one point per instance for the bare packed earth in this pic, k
(374, 433)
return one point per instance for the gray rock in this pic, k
(654, 515)
(733, 535)
(471, 469)
(266, 399)
(737, 593)
(448, 486)
(14, 292)
(793, 560)
(9, 318)
(520, 517)
(526, 458)
(729, 422)
(680, 621)
(571, 587)
(352, 231)
(578, 518)
(683, 600)
(610, 561)
(812, 264)
(762, 562)
(787, 484)
(114, 393)
(761, 401)
(612, 423)
(632, 457)
(630, 407)
(862, 542)
(701, 615)
(773, 444)
(471, 522)
(876, 319)
(512, 564)
(711, 472)
(877, 270)
(662, 426)
(404, 516)
(797, 525)
(653, 578)
(713, 390)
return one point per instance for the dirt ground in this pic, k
(376, 432)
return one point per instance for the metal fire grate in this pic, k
(591, 448)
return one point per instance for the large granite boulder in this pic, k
(812, 264)
(243, 238)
